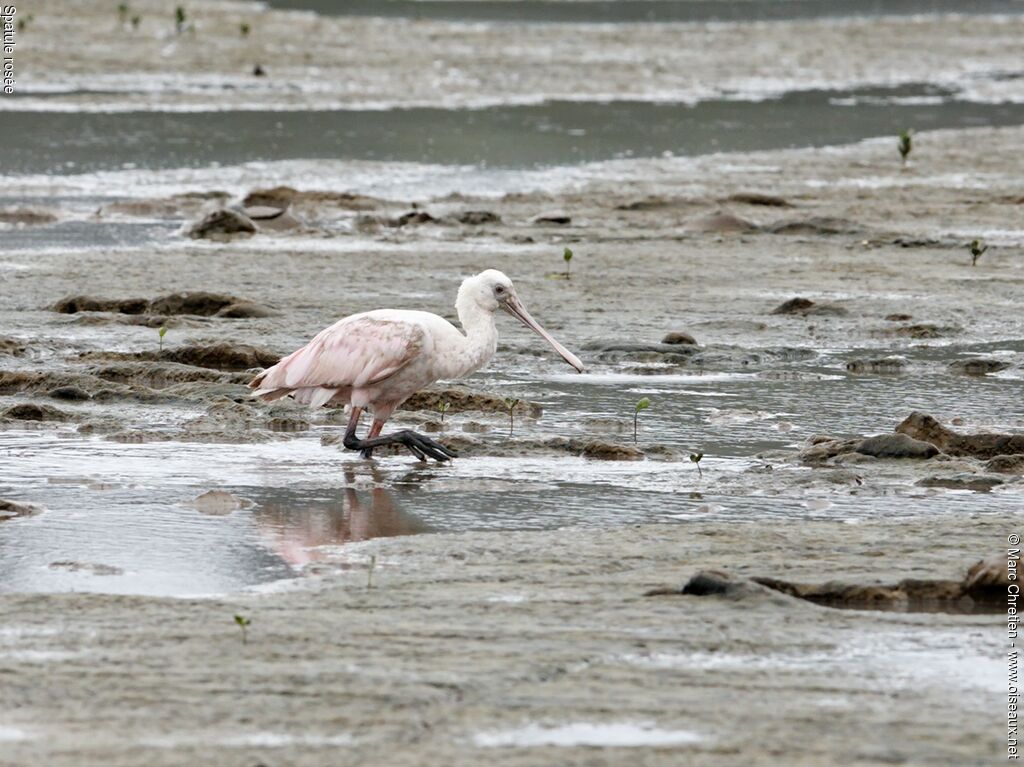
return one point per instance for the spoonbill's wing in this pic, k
(354, 352)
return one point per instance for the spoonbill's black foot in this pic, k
(419, 445)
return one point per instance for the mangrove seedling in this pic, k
(641, 405)
(122, 13)
(977, 251)
(162, 332)
(136, 20)
(179, 19)
(443, 408)
(511, 405)
(369, 571)
(695, 457)
(244, 29)
(243, 624)
(567, 257)
(906, 145)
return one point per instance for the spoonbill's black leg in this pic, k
(417, 444)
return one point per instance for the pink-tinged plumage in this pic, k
(376, 360)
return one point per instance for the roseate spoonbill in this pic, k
(376, 360)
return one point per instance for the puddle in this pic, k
(610, 735)
(623, 11)
(507, 136)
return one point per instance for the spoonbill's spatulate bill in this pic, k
(376, 360)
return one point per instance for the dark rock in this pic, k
(75, 304)
(896, 446)
(816, 225)
(720, 223)
(716, 583)
(246, 310)
(13, 509)
(756, 198)
(987, 582)
(477, 217)
(1006, 464)
(608, 451)
(222, 224)
(978, 484)
(559, 219)
(924, 331)
(413, 217)
(198, 303)
(978, 367)
(463, 400)
(883, 366)
(678, 337)
(796, 305)
(26, 216)
(69, 394)
(928, 429)
(32, 412)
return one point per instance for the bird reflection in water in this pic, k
(302, 530)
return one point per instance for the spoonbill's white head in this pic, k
(492, 290)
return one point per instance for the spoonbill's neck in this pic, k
(481, 335)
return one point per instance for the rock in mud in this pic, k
(609, 451)
(30, 411)
(76, 304)
(26, 217)
(756, 198)
(817, 225)
(412, 218)
(222, 224)
(463, 400)
(979, 366)
(720, 223)
(11, 347)
(716, 583)
(270, 219)
(880, 366)
(246, 310)
(13, 509)
(924, 330)
(907, 594)
(69, 394)
(986, 445)
(1006, 464)
(973, 482)
(197, 303)
(477, 217)
(987, 582)
(284, 196)
(559, 219)
(805, 306)
(679, 338)
(896, 446)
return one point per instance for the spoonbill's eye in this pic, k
(499, 289)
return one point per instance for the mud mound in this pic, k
(986, 445)
(196, 304)
(464, 400)
(720, 223)
(283, 196)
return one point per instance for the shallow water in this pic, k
(508, 136)
(627, 11)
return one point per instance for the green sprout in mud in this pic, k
(906, 145)
(122, 12)
(244, 29)
(243, 623)
(977, 249)
(162, 332)
(136, 20)
(443, 408)
(695, 457)
(567, 257)
(369, 571)
(511, 404)
(179, 19)
(641, 405)
(24, 22)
